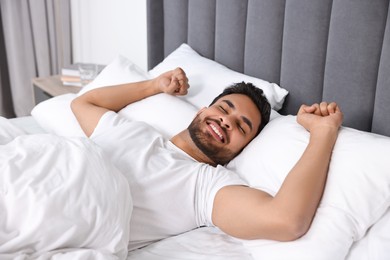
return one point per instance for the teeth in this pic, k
(216, 131)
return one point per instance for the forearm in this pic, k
(89, 107)
(302, 189)
(119, 96)
(253, 214)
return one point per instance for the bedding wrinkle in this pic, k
(61, 193)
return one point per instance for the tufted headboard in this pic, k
(333, 50)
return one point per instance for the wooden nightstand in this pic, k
(47, 87)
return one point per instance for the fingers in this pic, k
(317, 109)
(322, 109)
(333, 108)
(180, 76)
(328, 108)
(179, 82)
(305, 109)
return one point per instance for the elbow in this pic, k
(295, 229)
(74, 105)
(77, 106)
(283, 229)
(79, 102)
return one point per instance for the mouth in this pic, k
(217, 132)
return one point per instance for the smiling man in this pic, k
(222, 130)
(180, 184)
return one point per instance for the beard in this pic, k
(219, 155)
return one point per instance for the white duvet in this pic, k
(60, 199)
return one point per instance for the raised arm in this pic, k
(250, 214)
(89, 107)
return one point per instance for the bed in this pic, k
(297, 52)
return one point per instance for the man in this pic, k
(178, 185)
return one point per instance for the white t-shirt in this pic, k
(172, 193)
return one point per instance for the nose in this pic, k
(226, 122)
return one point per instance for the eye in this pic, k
(241, 129)
(222, 109)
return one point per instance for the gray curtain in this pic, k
(35, 41)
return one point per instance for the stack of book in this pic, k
(70, 75)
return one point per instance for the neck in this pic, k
(183, 141)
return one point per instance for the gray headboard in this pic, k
(316, 49)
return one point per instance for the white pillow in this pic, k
(208, 78)
(120, 70)
(166, 113)
(357, 193)
(55, 116)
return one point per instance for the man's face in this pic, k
(222, 130)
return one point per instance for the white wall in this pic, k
(102, 29)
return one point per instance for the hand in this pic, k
(320, 116)
(174, 82)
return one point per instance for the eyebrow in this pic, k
(245, 119)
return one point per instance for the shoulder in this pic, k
(114, 127)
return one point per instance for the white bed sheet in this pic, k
(28, 124)
(203, 243)
(212, 244)
(53, 199)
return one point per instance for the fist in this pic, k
(174, 82)
(320, 116)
